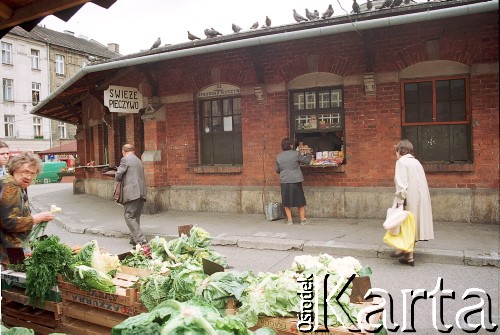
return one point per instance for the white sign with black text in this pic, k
(121, 99)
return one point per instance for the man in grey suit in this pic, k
(131, 174)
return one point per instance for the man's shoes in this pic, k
(304, 222)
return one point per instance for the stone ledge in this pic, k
(448, 167)
(270, 243)
(475, 258)
(341, 249)
(221, 169)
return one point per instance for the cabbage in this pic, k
(89, 278)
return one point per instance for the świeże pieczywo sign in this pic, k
(121, 99)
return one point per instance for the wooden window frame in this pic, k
(204, 134)
(433, 80)
(447, 164)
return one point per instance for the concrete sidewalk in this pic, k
(454, 243)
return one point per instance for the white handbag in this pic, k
(394, 218)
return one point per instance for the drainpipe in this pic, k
(476, 8)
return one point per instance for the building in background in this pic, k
(34, 64)
(208, 116)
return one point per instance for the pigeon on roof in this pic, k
(407, 2)
(268, 22)
(156, 44)
(396, 3)
(192, 37)
(328, 13)
(386, 4)
(255, 25)
(310, 15)
(298, 17)
(355, 7)
(369, 4)
(209, 33)
(236, 28)
(316, 13)
(91, 58)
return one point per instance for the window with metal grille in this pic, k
(37, 127)
(35, 93)
(6, 53)
(35, 59)
(220, 129)
(9, 121)
(436, 118)
(8, 89)
(60, 64)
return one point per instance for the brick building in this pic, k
(213, 112)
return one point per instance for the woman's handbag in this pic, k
(394, 218)
(405, 239)
(117, 195)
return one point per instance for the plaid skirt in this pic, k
(292, 195)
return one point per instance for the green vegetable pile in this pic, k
(194, 317)
(48, 259)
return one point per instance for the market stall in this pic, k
(179, 284)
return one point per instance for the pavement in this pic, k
(454, 243)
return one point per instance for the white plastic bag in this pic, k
(394, 218)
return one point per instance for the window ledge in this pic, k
(448, 167)
(222, 169)
(323, 169)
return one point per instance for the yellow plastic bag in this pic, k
(405, 240)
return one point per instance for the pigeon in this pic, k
(316, 13)
(298, 17)
(369, 4)
(328, 13)
(310, 15)
(209, 33)
(386, 4)
(236, 28)
(193, 37)
(396, 3)
(268, 22)
(255, 25)
(355, 7)
(156, 44)
(91, 58)
(407, 2)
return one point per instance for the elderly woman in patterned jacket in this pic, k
(16, 220)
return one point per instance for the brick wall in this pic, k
(373, 122)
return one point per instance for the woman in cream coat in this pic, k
(413, 191)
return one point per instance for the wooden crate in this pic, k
(17, 294)
(288, 326)
(12, 279)
(78, 327)
(15, 314)
(92, 315)
(121, 302)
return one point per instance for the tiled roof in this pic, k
(66, 40)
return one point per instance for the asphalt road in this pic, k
(399, 281)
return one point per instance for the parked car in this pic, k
(50, 172)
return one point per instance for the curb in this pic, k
(442, 256)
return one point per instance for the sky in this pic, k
(136, 24)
